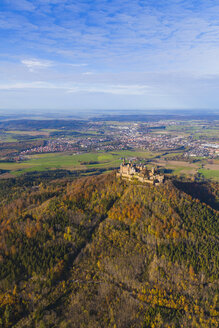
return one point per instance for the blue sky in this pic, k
(118, 54)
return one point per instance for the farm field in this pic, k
(181, 168)
(19, 135)
(180, 148)
(29, 133)
(7, 138)
(210, 173)
(109, 160)
(196, 130)
(42, 162)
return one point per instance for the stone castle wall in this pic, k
(140, 173)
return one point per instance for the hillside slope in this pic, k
(101, 252)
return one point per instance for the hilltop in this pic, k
(103, 252)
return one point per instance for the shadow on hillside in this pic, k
(166, 171)
(200, 190)
(4, 171)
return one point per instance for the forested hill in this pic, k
(101, 252)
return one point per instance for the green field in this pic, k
(210, 174)
(43, 162)
(107, 160)
(196, 130)
(7, 138)
(27, 133)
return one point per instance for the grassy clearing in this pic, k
(107, 160)
(7, 138)
(197, 130)
(181, 128)
(172, 154)
(179, 168)
(210, 174)
(210, 133)
(51, 130)
(28, 133)
(209, 171)
(42, 162)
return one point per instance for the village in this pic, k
(135, 136)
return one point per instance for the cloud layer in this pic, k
(155, 53)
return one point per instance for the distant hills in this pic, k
(26, 124)
(156, 117)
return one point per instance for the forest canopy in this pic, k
(99, 251)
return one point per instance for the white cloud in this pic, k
(22, 5)
(78, 65)
(112, 89)
(80, 87)
(33, 64)
(125, 48)
(30, 85)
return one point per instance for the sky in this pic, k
(66, 55)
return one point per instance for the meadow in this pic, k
(109, 160)
(43, 162)
(210, 173)
(13, 140)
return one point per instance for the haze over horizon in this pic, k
(84, 55)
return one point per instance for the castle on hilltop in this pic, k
(140, 172)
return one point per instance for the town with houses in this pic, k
(155, 136)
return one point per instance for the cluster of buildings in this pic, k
(140, 172)
(154, 142)
(51, 146)
(203, 150)
(120, 136)
(64, 144)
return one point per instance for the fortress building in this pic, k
(140, 172)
